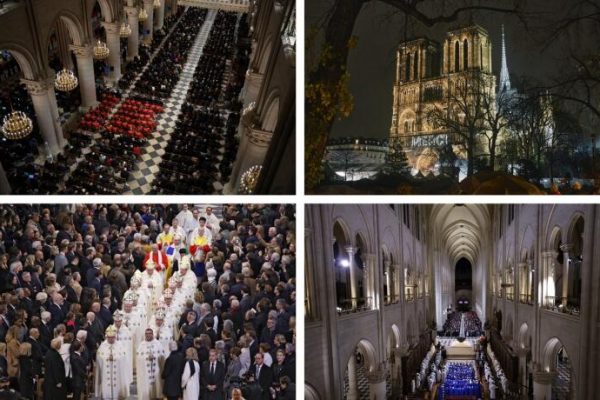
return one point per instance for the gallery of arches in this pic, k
(452, 301)
(147, 96)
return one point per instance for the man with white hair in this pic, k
(113, 371)
(150, 359)
(46, 331)
(212, 221)
(189, 280)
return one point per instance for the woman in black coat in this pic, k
(26, 371)
(171, 374)
(54, 379)
(282, 367)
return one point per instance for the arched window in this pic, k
(407, 69)
(416, 65)
(466, 54)
(456, 57)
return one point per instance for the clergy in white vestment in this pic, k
(190, 380)
(125, 338)
(186, 220)
(189, 281)
(153, 282)
(150, 359)
(212, 221)
(111, 362)
(142, 295)
(176, 229)
(133, 321)
(162, 332)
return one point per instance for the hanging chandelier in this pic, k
(250, 179)
(125, 30)
(65, 80)
(156, 3)
(101, 51)
(143, 15)
(16, 125)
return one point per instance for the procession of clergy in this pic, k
(145, 331)
(143, 334)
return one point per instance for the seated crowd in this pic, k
(206, 87)
(161, 76)
(193, 152)
(224, 295)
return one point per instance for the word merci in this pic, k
(429, 140)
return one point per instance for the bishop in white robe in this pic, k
(125, 338)
(153, 282)
(150, 359)
(111, 360)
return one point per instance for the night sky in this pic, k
(380, 28)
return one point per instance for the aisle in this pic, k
(140, 181)
(462, 325)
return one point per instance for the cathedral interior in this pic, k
(436, 301)
(147, 97)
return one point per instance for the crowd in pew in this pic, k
(159, 79)
(206, 86)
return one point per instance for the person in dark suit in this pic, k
(263, 374)
(54, 379)
(78, 368)
(46, 333)
(172, 372)
(212, 377)
(26, 372)
(287, 389)
(38, 351)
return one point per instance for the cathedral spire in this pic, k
(504, 76)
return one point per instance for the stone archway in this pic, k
(555, 360)
(361, 363)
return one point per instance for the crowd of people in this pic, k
(178, 300)
(159, 79)
(462, 323)
(123, 133)
(206, 87)
(202, 149)
(193, 153)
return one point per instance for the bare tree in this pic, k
(463, 115)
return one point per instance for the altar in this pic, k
(460, 350)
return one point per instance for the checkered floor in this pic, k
(141, 179)
(363, 384)
(560, 386)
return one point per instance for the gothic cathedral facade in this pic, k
(426, 75)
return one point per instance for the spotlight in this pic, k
(345, 263)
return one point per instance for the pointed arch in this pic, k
(456, 56)
(466, 54)
(24, 59)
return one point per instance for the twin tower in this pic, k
(425, 70)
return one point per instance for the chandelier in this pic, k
(156, 3)
(101, 51)
(143, 15)
(16, 125)
(125, 30)
(250, 179)
(65, 80)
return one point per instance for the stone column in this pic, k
(133, 41)
(113, 41)
(352, 381)
(388, 281)
(397, 383)
(353, 280)
(64, 38)
(251, 87)
(60, 139)
(368, 281)
(38, 90)
(85, 70)
(522, 353)
(566, 248)
(160, 15)
(377, 383)
(253, 147)
(542, 385)
(149, 23)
